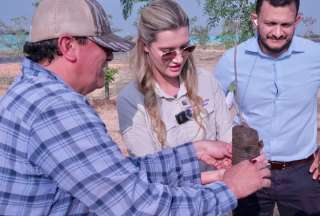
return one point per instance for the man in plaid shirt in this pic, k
(56, 157)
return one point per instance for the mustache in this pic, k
(273, 37)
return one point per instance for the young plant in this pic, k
(109, 74)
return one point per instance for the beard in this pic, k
(273, 51)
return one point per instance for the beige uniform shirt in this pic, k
(135, 124)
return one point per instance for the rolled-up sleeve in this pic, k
(134, 126)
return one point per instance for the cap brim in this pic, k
(113, 42)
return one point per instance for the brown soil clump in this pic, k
(245, 143)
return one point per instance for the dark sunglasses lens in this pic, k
(171, 55)
(109, 54)
(188, 50)
(168, 56)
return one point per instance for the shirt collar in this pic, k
(295, 47)
(160, 93)
(31, 68)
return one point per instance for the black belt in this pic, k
(287, 164)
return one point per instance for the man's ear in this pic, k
(298, 19)
(67, 47)
(254, 20)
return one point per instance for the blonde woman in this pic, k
(170, 102)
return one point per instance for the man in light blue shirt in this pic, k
(278, 80)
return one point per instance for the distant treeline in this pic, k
(314, 37)
(12, 32)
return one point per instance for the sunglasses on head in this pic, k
(170, 55)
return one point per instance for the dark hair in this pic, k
(277, 3)
(46, 49)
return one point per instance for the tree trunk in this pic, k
(106, 90)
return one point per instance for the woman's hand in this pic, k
(214, 153)
(212, 176)
(315, 166)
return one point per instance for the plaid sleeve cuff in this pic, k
(173, 166)
(225, 199)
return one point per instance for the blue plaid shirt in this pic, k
(56, 158)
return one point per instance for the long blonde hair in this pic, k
(161, 15)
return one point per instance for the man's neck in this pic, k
(65, 72)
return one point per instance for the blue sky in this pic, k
(13, 8)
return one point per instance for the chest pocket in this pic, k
(189, 131)
(209, 120)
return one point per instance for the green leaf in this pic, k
(232, 87)
(109, 74)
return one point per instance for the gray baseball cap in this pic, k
(83, 18)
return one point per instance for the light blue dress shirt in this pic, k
(278, 96)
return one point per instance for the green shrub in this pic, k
(109, 74)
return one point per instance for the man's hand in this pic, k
(315, 166)
(213, 152)
(247, 177)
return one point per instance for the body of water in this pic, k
(14, 42)
(10, 42)
(213, 39)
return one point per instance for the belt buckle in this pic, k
(282, 165)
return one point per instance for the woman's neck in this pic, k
(169, 85)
